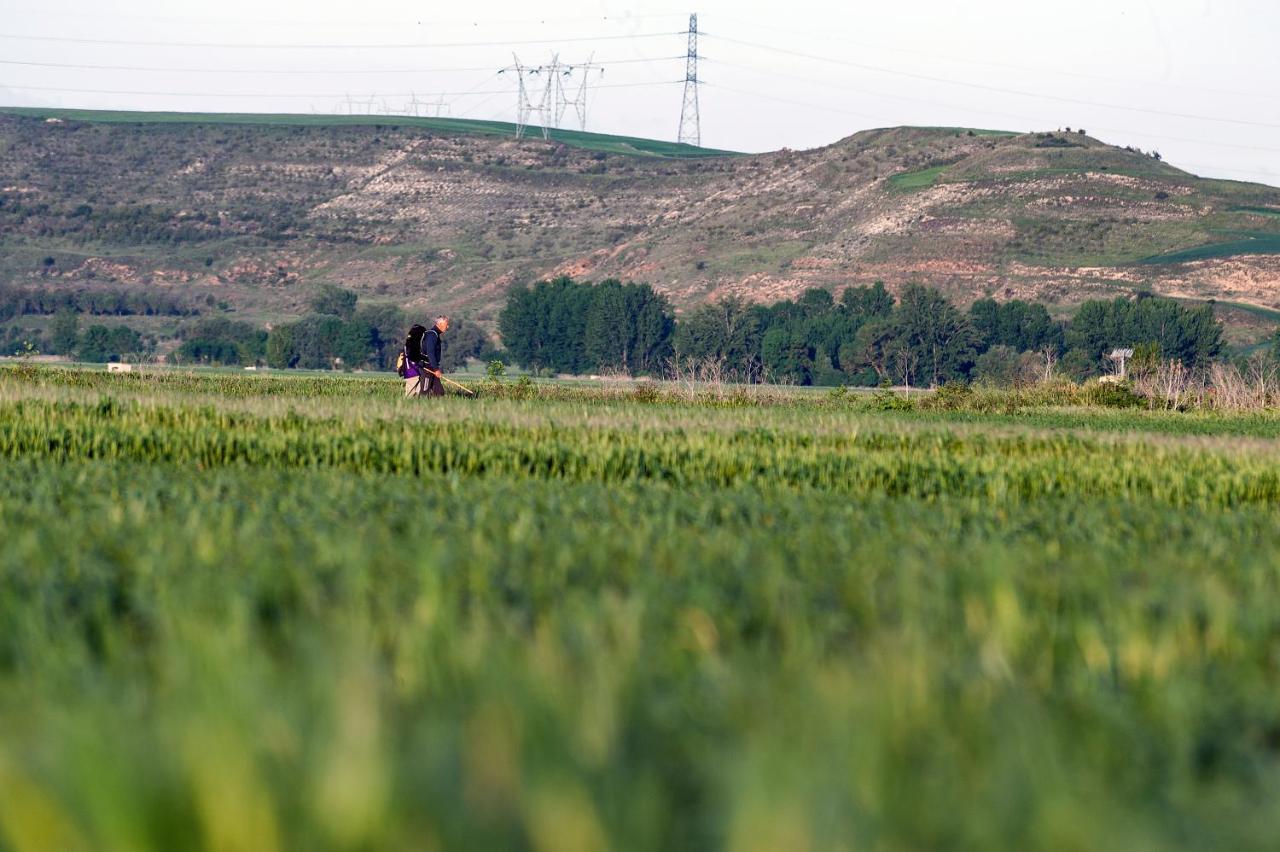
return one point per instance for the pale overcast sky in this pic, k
(1195, 79)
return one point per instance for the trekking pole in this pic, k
(455, 384)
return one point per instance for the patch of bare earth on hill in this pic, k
(1098, 205)
(1252, 279)
(761, 287)
(285, 269)
(909, 209)
(412, 194)
(103, 269)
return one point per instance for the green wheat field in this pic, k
(276, 613)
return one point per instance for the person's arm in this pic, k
(431, 349)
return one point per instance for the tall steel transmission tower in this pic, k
(579, 99)
(550, 103)
(525, 105)
(690, 123)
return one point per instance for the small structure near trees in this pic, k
(1121, 357)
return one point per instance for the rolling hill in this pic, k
(251, 212)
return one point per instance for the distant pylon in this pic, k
(525, 107)
(690, 123)
(579, 100)
(551, 79)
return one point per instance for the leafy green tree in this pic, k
(1092, 334)
(999, 365)
(520, 324)
(565, 324)
(608, 331)
(875, 346)
(628, 327)
(101, 343)
(939, 338)
(820, 334)
(317, 341)
(64, 333)
(867, 303)
(354, 344)
(1079, 364)
(1018, 325)
(650, 327)
(785, 355)
(1191, 335)
(573, 328)
(335, 301)
(222, 341)
(726, 330)
(282, 347)
(389, 329)
(465, 340)
(208, 350)
(543, 326)
(815, 301)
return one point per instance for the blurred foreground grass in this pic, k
(264, 630)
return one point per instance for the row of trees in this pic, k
(863, 337)
(338, 333)
(585, 328)
(45, 301)
(98, 343)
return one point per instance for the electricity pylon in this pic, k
(690, 122)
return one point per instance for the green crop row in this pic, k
(247, 659)
(267, 612)
(1064, 406)
(916, 463)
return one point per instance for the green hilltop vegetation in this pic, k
(578, 139)
(1235, 243)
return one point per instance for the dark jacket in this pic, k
(431, 347)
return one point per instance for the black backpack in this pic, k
(412, 352)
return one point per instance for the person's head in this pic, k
(442, 324)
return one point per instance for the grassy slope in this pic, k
(579, 139)
(1233, 227)
(1257, 243)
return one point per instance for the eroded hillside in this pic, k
(250, 214)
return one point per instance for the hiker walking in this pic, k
(422, 359)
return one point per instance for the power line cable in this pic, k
(293, 22)
(823, 107)
(300, 94)
(469, 110)
(1272, 177)
(296, 46)
(929, 54)
(283, 71)
(864, 115)
(983, 87)
(983, 110)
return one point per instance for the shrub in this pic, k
(884, 399)
(1111, 395)
(952, 396)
